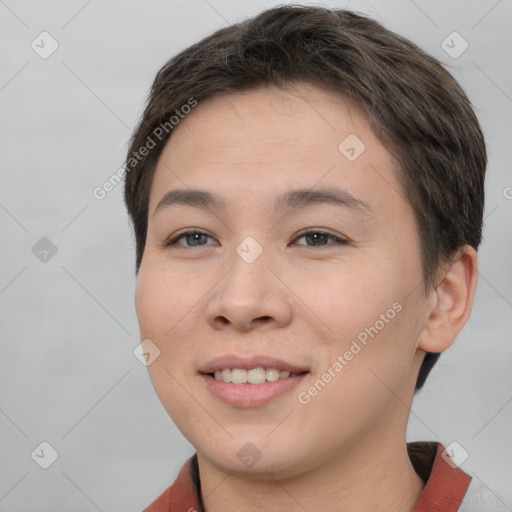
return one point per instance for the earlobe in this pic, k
(451, 301)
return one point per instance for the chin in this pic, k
(256, 456)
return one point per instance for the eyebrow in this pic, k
(293, 199)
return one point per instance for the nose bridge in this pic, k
(247, 282)
(249, 291)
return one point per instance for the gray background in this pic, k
(68, 326)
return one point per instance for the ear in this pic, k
(450, 302)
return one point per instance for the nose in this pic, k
(250, 296)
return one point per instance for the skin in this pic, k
(301, 302)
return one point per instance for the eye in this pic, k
(194, 238)
(319, 237)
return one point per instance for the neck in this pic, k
(374, 474)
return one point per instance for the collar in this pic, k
(443, 492)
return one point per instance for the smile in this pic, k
(253, 376)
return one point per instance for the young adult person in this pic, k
(306, 189)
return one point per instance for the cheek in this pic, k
(371, 320)
(346, 298)
(162, 315)
(161, 301)
(150, 305)
(368, 382)
(167, 307)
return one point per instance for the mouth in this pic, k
(257, 375)
(251, 382)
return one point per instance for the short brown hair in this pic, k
(414, 105)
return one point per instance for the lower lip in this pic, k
(250, 395)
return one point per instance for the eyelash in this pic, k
(176, 237)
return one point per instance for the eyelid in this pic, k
(172, 240)
(175, 237)
(338, 238)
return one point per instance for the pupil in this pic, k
(314, 237)
(195, 238)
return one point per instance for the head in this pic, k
(313, 99)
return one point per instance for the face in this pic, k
(307, 261)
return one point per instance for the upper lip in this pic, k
(248, 363)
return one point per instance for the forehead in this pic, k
(270, 138)
(269, 117)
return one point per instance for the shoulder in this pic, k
(162, 503)
(183, 494)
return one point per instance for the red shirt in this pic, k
(444, 490)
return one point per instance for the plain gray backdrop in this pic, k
(68, 325)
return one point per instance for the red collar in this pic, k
(443, 492)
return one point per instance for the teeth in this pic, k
(253, 376)
(257, 375)
(272, 374)
(238, 376)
